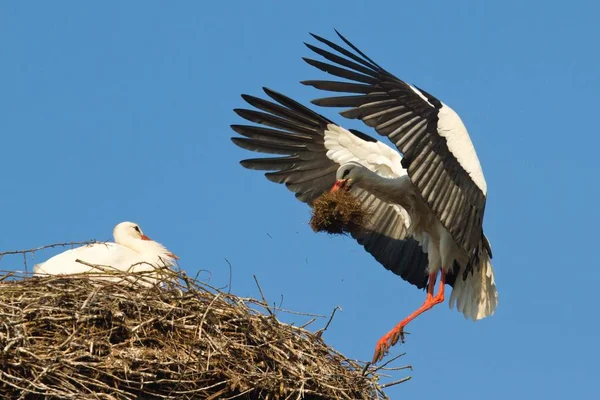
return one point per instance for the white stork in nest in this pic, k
(132, 252)
(426, 203)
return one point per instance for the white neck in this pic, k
(390, 190)
(141, 246)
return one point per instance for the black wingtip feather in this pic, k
(337, 86)
(340, 72)
(364, 60)
(314, 35)
(250, 99)
(278, 97)
(294, 105)
(357, 50)
(238, 111)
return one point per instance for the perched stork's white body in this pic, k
(426, 205)
(131, 252)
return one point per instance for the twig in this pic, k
(285, 310)
(204, 316)
(230, 276)
(308, 323)
(196, 277)
(319, 333)
(397, 368)
(92, 241)
(262, 295)
(8, 275)
(381, 367)
(276, 308)
(387, 385)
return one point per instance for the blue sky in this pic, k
(119, 111)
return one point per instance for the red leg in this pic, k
(391, 338)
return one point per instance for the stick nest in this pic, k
(77, 338)
(337, 213)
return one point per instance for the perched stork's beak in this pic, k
(339, 184)
(144, 237)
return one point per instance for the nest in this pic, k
(337, 213)
(77, 338)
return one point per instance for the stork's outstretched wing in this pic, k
(312, 149)
(438, 153)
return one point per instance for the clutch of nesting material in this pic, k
(68, 338)
(337, 213)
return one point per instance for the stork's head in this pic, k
(127, 231)
(347, 175)
(130, 234)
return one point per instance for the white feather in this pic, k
(459, 143)
(343, 147)
(476, 297)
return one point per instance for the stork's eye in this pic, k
(137, 228)
(346, 172)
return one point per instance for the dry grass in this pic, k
(66, 338)
(337, 213)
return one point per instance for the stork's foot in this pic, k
(439, 298)
(390, 339)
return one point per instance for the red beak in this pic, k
(339, 184)
(144, 237)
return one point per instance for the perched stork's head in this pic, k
(347, 175)
(129, 234)
(126, 231)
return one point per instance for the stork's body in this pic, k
(131, 252)
(426, 203)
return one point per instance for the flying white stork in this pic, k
(426, 206)
(132, 251)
